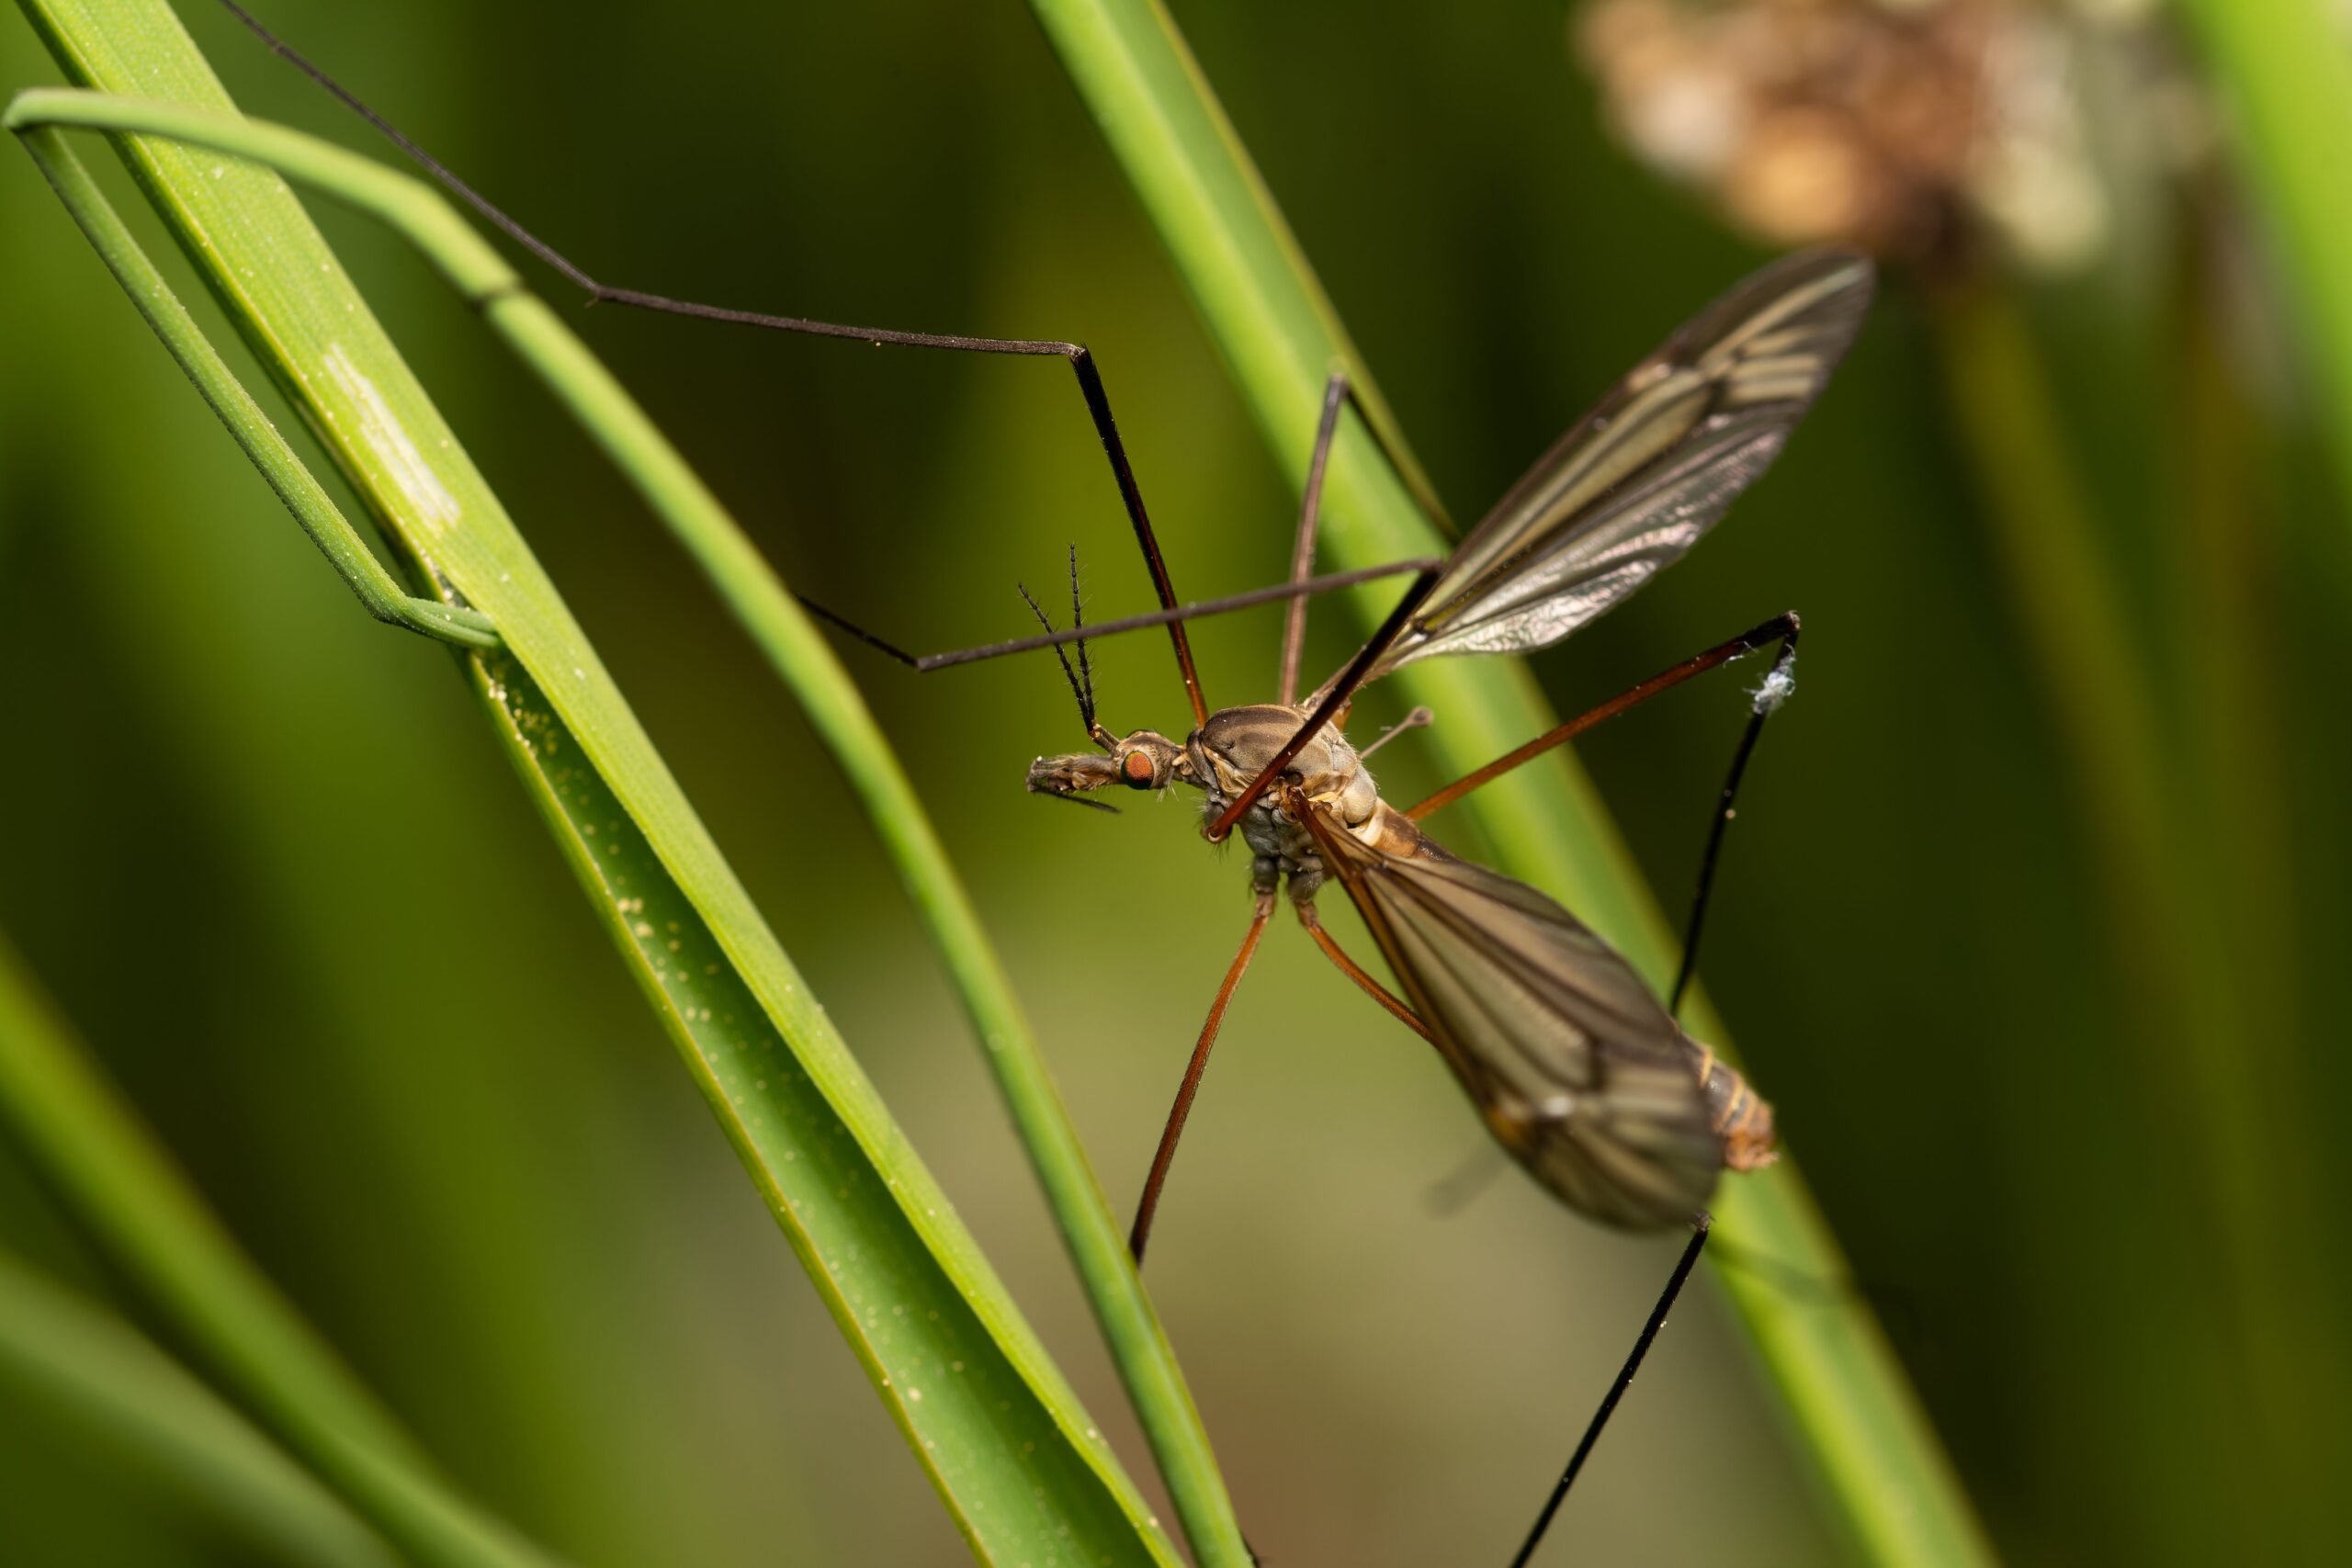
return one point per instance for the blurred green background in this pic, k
(2026, 925)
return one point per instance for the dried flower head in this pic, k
(1907, 127)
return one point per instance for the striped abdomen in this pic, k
(1740, 1117)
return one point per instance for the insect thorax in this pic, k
(1225, 754)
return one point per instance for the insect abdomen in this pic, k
(1740, 1117)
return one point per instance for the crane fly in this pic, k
(1581, 1073)
(1579, 1070)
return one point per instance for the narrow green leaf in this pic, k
(2284, 74)
(97, 1371)
(1025, 1473)
(123, 1189)
(1860, 1420)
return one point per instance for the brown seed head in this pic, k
(1911, 129)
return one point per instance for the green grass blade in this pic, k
(368, 579)
(122, 1187)
(1012, 1451)
(1860, 1420)
(797, 651)
(2286, 77)
(759, 600)
(96, 1371)
(2171, 929)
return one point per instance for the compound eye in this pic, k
(1139, 770)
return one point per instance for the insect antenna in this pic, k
(1082, 690)
(1616, 1390)
(1078, 624)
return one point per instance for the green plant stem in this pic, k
(97, 1371)
(122, 1187)
(2007, 417)
(377, 591)
(380, 427)
(2223, 577)
(1860, 1421)
(795, 649)
(2286, 77)
(797, 652)
(2218, 1101)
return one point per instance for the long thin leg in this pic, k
(1165, 1155)
(1080, 361)
(1302, 550)
(1616, 1391)
(1767, 699)
(1674, 1283)
(1775, 689)
(1354, 971)
(1780, 629)
(926, 663)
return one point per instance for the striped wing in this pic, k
(1578, 1071)
(1644, 475)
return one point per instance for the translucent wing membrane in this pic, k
(1579, 1072)
(1642, 477)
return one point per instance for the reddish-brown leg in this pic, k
(1166, 1153)
(1302, 552)
(1353, 971)
(1781, 629)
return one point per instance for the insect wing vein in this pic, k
(1575, 1067)
(1647, 472)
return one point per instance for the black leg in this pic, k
(1080, 361)
(1775, 689)
(1616, 1391)
(927, 662)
